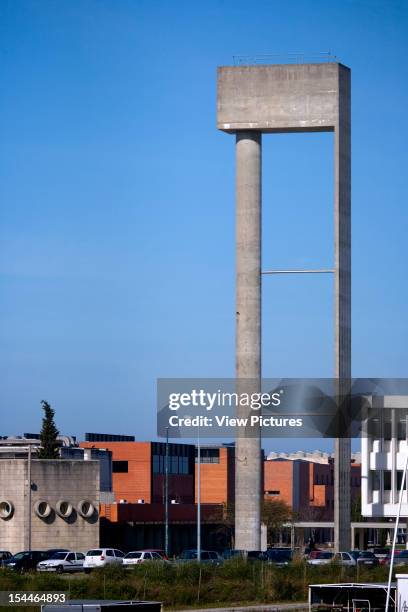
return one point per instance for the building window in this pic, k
(399, 480)
(402, 429)
(375, 481)
(177, 465)
(273, 492)
(120, 467)
(180, 458)
(184, 465)
(387, 480)
(387, 430)
(374, 428)
(209, 455)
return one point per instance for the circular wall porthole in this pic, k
(64, 508)
(86, 508)
(42, 509)
(6, 509)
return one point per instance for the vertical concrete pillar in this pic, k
(248, 334)
(276, 99)
(342, 281)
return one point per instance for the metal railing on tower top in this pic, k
(284, 58)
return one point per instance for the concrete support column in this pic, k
(342, 281)
(248, 486)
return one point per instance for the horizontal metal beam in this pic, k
(321, 271)
(330, 524)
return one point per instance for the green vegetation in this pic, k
(274, 513)
(189, 585)
(49, 433)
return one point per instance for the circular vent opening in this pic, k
(64, 508)
(86, 508)
(42, 509)
(6, 509)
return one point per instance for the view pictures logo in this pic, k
(222, 399)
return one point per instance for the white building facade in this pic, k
(384, 449)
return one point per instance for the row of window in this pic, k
(387, 480)
(378, 428)
(176, 465)
(329, 479)
(208, 455)
(176, 450)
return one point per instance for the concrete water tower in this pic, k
(257, 99)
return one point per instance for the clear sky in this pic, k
(117, 202)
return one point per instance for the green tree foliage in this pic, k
(356, 509)
(275, 512)
(49, 433)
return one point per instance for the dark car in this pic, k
(257, 555)
(279, 556)
(232, 553)
(4, 555)
(380, 552)
(365, 557)
(400, 558)
(207, 556)
(25, 560)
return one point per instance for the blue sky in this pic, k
(117, 203)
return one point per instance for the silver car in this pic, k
(63, 562)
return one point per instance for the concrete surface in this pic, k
(279, 98)
(52, 480)
(286, 98)
(248, 334)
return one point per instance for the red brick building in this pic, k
(138, 471)
(306, 486)
(217, 474)
(303, 480)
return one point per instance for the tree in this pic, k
(49, 433)
(225, 521)
(356, 509)
(275, 512)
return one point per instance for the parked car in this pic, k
(320, 557)
(160, 551)
(365, 557)
(100, 557)
(62, 562)
(256, 555)
(399, 559)
(380, 552)
(279, 556)
(51, 551)
(346, 559)
(4, 555)
(207, 556)
(25, 560)
(232, 553)
(141, 556)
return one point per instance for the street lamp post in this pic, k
(29, 497)
(401, 493)
(166, 496)
(198, 496)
